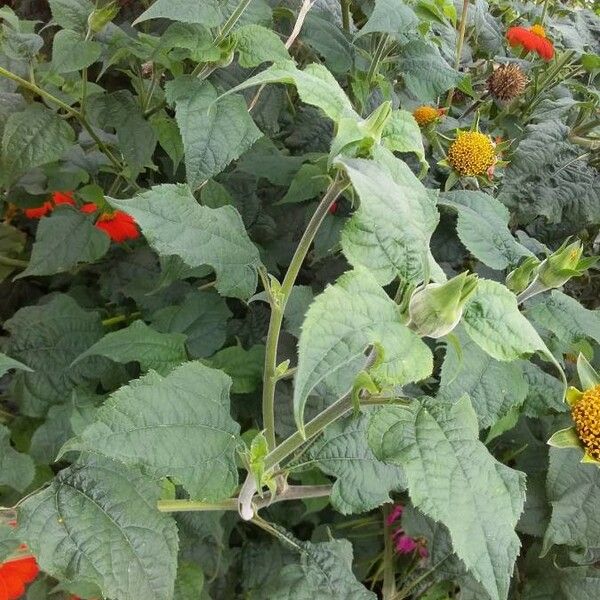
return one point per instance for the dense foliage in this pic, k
(300, 300)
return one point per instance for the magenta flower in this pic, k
(405, 544)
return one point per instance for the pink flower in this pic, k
(405, 544)
(395, 514)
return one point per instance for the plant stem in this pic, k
(377, 58)
(12, 262)
(232, 20)
(120, 319)
(459, 45)
(70, 110)
(544, 11)
(345, 4)
(278, 304)
(389, 574)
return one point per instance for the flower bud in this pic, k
(102, 16)
(563, 264)
(436, 309)
(518, 279)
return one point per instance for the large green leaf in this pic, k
(63, 240)
(176, 225)
(245, 367)
(483, 228)
(72, 52)
(362, 481)
(71, 14)
(340, 324)
(97, 525)
(403, 134)
(138, 342)
(175, 426)
(48, 338)
(390, 231)
(34, 137)
(214, 131)
(573, 490)
(16, 470)
(256, 44)
(565, 317)
(390, 16)
(495, 387)
(545, 394)
(315, 85)
(207, 12)
(453, 479)
(12, 244)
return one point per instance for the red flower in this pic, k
(119, 226)
(63, 198)
(39, 211)
(48, 206)
(15, 575)
(532, 39)
(88, 208)
(333, 208)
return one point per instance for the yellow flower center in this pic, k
(424, 115)
(472, 153)
(538, 30)
(586, 415)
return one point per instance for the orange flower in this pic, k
(15, 575)
(532, 39)
(119, 226)
(55, 199)
(39, 211)
(425, 115)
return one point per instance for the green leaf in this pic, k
(202, 316)
(97, 524)
(453, 479)
(545, 394)
(9, 542)
(138, 342)
(12, 244)
(492, 319)
(565, 317)
(207, 12)
(16, 470)
(71, 14)
(340, 324)
(245, 367)
(175, 426)
(315, 85)
(426, 74)
(390, 16)
(32, 138)
(362, 482)
(48, 338)
(169, 137)
(390, 231)
(64, 240)
(495, 387)
(7, 363)
(72, 52)
(214, 131)
(483, 228)
(309, 181)
(175, 224)
(256, 45)
(573, 491)
(403, 134)
(189, 583)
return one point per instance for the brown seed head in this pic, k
(507, 82)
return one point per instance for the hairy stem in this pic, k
(278, 304)
(377, 58)
(389, 574)
(459, 45)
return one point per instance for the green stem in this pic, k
(389, 574)
(459, 45)
(70, 110)
(13, 262)
(544, 11)
(377, 58)
(233, 19)
(345, 4)
(278, 307)
(120, 319)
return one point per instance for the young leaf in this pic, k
(453, 479)
(63, 240)
(390, 231)
(175, 426)
(402, 134)
(97, 524)
(138, 342)
(214, 130)
(175, 224)
(363, 482)
(340, 324)
(16, 469)
(207, 12)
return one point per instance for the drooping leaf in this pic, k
(176, 225)
(321, 33)
(16, 469)
(7, 363)
(402, 134)
(207, 12)
(453, 479)
(256, 45)
(139, 342)
(390, 231)
(97, 524)
(34, 137)
(340, 324)
(71, 52)
(483, 228)
(245, 367)
(362, 481)
(214, 130)
(175, 426)
(63, 240)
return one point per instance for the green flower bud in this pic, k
(102, 16)
(436, 309)
(518, 279)
(563, 264)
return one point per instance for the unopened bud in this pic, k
(521, 277)
(563, 264)
(102, 16)
(436, 309)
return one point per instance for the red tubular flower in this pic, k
(39, 211)
(15, 575)
(63, 198)
(119, 226)
(55, 199)
(532, 40)
(89, 207)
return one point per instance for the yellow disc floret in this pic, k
(425, 115)
(586, 415)
(538, 30)
(472, 153)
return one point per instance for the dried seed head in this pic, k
(507, 82)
